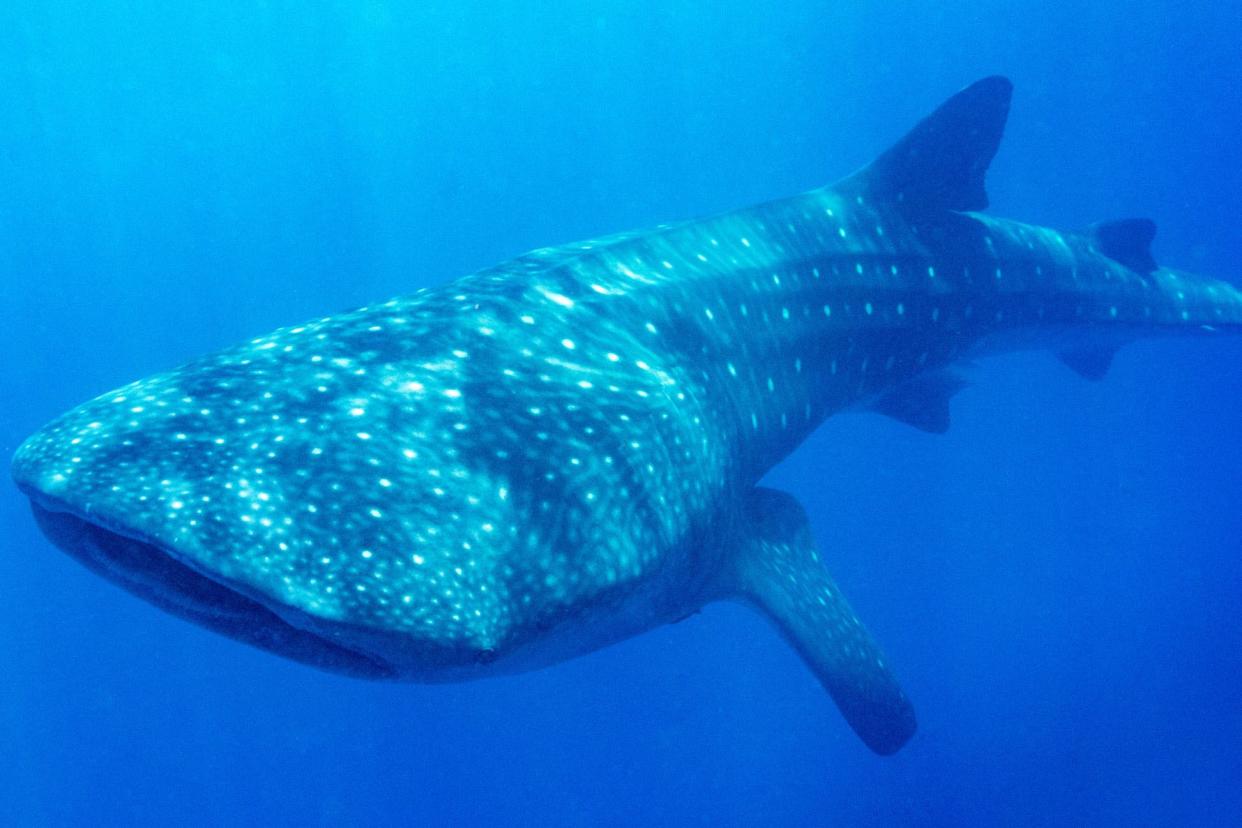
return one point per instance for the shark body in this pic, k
(551, 455)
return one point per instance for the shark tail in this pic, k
(776, 569)
(1173, 302)
(1188, 300)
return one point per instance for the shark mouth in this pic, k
(157, 576)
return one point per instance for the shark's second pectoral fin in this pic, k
(1089, 362)
(922, 402)
(775, 566)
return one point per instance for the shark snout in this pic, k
(241, 527)
(130, 535)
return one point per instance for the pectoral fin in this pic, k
(776, 568)
(923, 402)
(1089, 363)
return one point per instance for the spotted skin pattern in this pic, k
(562, 451)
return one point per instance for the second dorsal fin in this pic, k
(1127, 241)
(941, 163)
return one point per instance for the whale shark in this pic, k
(564, 450)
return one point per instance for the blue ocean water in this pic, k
(1054, 580)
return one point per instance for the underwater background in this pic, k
(1055, 580)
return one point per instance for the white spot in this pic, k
(556, 298)
(629, 274)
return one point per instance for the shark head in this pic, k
(413, 490)
(304, 492)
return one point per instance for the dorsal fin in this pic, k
(1127, 241)
(941, 163)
